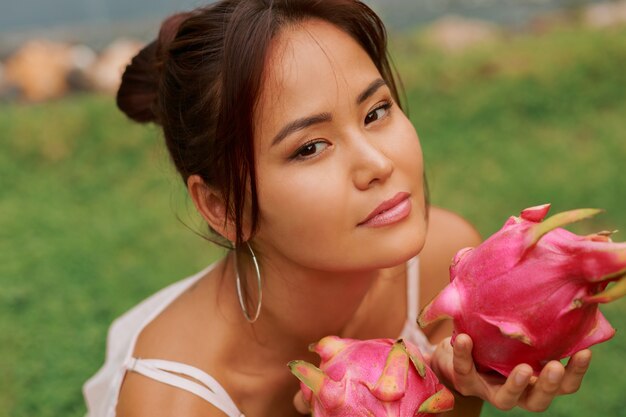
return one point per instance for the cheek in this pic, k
(408, 152)
(296, 205)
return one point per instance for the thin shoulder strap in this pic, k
(208, 389)
(413, 289)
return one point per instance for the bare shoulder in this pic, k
(144, 397)
(447, 234)
(173, 335)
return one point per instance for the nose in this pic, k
(370, 164)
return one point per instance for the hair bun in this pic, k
(169, 29)
(138, 92)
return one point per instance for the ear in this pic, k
(211, 206)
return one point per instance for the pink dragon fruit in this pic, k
(530, 293)
(370, 378)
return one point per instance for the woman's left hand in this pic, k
(455, 366)
(301, 404)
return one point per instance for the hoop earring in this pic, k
(258, 280)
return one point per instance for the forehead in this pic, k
(310, 67)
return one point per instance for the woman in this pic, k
(283, 119)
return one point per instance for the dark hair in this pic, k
(200, 80)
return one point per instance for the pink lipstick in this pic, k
(389, 211)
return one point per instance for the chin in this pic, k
(410, 243)
(397, 248)
(394, 255)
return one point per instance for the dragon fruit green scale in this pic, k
(530, 293)
(370, 378)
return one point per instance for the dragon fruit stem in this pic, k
(612, 293)
(536, 213)
(441, 401)
(416, 358)
(391, 385)
(559, 220)
(312, 376)
(447, 304)
(329, 346)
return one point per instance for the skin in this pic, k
(313, 249)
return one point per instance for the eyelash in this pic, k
(386, 105)
(297, 153)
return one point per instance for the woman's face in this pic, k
(331, 148)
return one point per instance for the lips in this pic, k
(389, 211)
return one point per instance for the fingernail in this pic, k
(521, 378)
(583, 362)
(553, 376)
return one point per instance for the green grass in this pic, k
(88, 225)
(89, 202)
(531, 121)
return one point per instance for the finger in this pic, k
(462, 360)
(546, 387)
(575, 371)
(509, 394)
(465, 375)
(301, 405)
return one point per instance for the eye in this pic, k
(310, 149)
(378, 113)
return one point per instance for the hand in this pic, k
(521, 388)
(301, 404)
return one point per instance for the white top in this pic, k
(101, 390)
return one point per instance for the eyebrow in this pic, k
(300, 124)
(370, 90)
(304, 122)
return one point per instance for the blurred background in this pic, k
(517, 103)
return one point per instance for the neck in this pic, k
(300, 306)
(309, 306)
